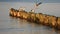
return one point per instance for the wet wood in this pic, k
(40, 18)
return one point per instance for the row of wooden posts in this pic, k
(39, 18)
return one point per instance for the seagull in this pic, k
(38, 3)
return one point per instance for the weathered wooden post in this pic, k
(58, 23)
(11, 12)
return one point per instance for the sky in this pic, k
(45, 1)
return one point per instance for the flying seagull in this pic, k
(37, 4)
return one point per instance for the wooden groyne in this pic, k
(40, 18)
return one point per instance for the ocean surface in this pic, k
(10, 25)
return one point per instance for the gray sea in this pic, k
(10, 25)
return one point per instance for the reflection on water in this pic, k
(10, 25)
(20, 26)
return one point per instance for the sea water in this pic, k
(10, 25)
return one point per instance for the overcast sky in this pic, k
(45, 1)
